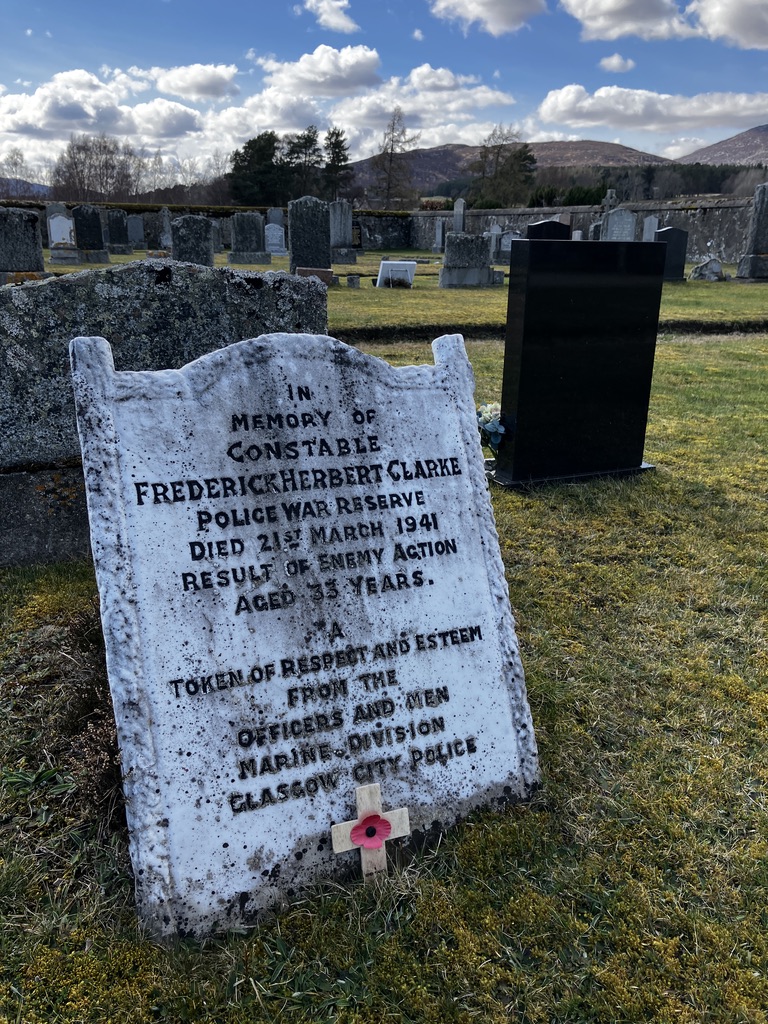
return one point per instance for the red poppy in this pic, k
(371, 833)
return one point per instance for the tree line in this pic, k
(270, 170)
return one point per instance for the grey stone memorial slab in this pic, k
(459, 215)
(248, 245)
(274, 239)
(754, 264)
(136, 231)
(157, 229)
(89, 234)
(650, 227)
(619, 225)
(467, 262)
(21, 245)
(276, 215)
(192, 240)
(159, 314)
(439, 235)
(676, 241)
(309, 233)
(302, 593)
(594, 232)
(340, 214)
(218, 245)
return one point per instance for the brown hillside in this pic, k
(431, 167)
(748, 148)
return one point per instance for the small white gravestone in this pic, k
(396, 274)
(302, 594)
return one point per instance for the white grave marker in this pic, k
(393, 273)
(302, 593)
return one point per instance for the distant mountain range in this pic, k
(432, 167)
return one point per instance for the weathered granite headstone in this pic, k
(218, 245)
(677, 246)
(117, 224)
(340, 213)
(494, 235)
(619, 225)
(577, 235)
(650, 227)
(459, 214)
(276, 215)
(136, 231)
(439, 235)
(61, 234)
(225, 224)
(594, 231)
(248, 239)
(192, 240)
(578, 362)
(21, 247)
(159, 314)
(754, 264)
(302, 593)
(309, 233)
(274, 238)
(157, 229)
(89, 234)
(709, 270)
(553, 229)
(467, 262)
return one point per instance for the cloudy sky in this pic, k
(190, 77)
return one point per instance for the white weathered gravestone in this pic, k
(302, 594)
(396, 274)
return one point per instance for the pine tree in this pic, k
(337, 173)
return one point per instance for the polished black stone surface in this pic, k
(552, 229)
(676, 241)
(582, 320)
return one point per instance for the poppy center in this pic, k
(371, 831)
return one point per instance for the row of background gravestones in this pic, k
(320, 233)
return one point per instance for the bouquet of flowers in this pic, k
(489, 425)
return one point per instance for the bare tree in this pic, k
(391, 165)
(95, 167)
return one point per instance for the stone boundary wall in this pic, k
(716, 225)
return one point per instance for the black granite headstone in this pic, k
(581, 337)
(677, 245)
(88, 227)
(551, 229)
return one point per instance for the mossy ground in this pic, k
(633, 888)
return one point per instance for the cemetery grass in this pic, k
(425, 311)
(632, 888)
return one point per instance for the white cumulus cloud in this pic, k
(165, 119)
(616, 108)
(324, 72)
(743, 22)
(197, 81)
(616, 63)
(612, 19)
(494, 16)
(332, 14)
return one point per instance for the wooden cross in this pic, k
(370, 830)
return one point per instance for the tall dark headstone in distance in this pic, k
(580, 344)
